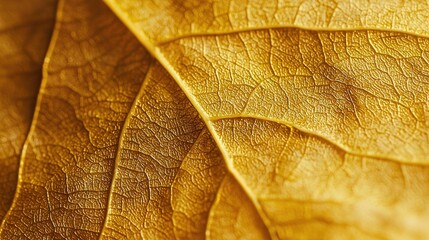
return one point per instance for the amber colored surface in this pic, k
(163, 21)
(92, 74)
(251, 120)
(324, 126)
(168, 170)
(25, 31)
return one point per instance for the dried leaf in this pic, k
(254, 120)
(327, 131)
(94, 69)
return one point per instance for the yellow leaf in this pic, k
(233, 215)
(252, 120)
(169, 19)
(327, 131)
(168, 168)
(165, 166)
(25, 29)
(93, 71)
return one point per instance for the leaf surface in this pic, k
(252, 120)
(25, 30)
(322, 129)
(208, 17)
(93, 72)
(99, 146)
(168, 169)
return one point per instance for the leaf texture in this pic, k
(85, 97)
(168, 169)
(190, 17)
(251, 120)
(322, 129)
(25, 30)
